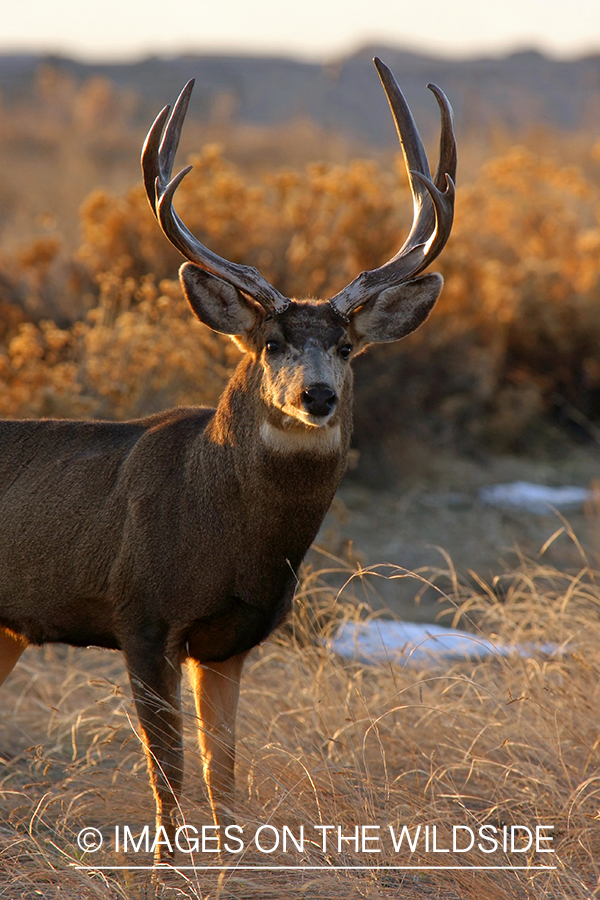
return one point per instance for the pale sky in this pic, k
(317, 29)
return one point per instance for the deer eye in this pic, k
(272, 346)
(345, 351)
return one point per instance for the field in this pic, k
(323, 741)
(502, 382)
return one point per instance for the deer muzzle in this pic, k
(319, 400)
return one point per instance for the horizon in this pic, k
(366, 49)
(320, 31)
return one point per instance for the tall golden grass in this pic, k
(323, 740)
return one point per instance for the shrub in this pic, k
(513, 343)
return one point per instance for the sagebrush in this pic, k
(512, 345)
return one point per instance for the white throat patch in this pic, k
(296, 440)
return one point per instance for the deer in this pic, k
(177, 538)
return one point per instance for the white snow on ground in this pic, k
(534, 498)
(380, 640)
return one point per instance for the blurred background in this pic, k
(297, 171)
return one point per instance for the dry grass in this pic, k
(325, 741)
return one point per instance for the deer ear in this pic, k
(216, 303)
(398, 310)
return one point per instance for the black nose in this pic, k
(319, 400)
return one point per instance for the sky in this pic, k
(307, 29)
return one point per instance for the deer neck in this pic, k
(273, 499)
(265, 443)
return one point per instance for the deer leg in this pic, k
(155, 683)
(216, 688)
(11, 647)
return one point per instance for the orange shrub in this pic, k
(515, 338)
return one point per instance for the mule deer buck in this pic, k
(177, 538)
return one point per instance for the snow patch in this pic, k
(381, 640)
(534, 498)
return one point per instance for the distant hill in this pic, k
(515, 91)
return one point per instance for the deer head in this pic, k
(304, 347)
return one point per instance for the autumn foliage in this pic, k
(511, 351)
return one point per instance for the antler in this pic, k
(433, 201)
(158, 156)
(433, 204)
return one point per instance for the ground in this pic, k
(412, 523)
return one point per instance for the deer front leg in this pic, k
(155, 683)
(11, 647)
(216, 689)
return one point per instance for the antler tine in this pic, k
(172, 133)
(414, 154)
(150, 167)
(433, 201)
(158, 156)
(447, 160)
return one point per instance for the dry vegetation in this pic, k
(99, 328)
(325, 741)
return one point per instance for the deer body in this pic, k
(178, 538)
(157, 524)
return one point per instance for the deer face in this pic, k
(304, 352)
